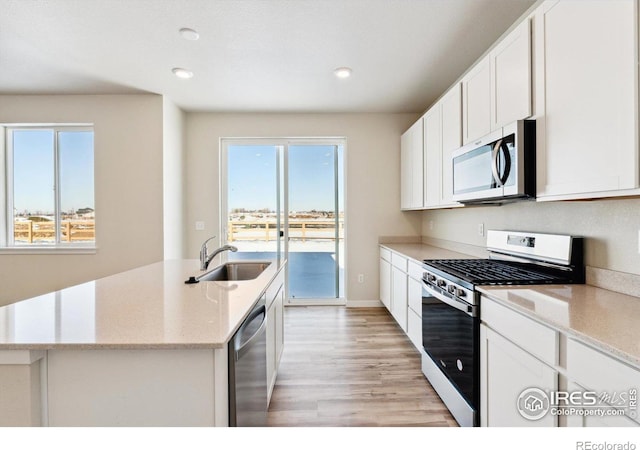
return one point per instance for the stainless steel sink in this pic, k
(235, 271)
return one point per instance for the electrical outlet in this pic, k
(199, 225)
(360, 278)
(480, 229)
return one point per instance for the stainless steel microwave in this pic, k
(498, 168)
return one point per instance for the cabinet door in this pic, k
(417, 166)
(414, 311)
(432, 152)
(406, 174)
(399, 297)
(476, 98)
(586, 90)
(414, 328)
(279, 314)
(411, 168)
(586, 420)
(451, 140)
(275, 337)
(385, 283)
(271, 347)
(506, 371)
(511, 77)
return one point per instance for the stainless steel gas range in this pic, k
(451, 306)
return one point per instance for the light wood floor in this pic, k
(351, 367)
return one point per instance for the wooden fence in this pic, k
(267, 230)
(71, 231)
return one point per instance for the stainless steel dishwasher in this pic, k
(248, 370)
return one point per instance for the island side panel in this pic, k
(21, 388)
(132, 387)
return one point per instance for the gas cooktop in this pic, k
(491, 271)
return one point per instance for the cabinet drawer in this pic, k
(599, 372)
(385, 254)
(399, 261)
(414, 295)
(530, 335)
(415, 270)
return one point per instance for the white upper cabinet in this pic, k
(411, 168)
(442, 135)
(451, 140)
(476, 109)
(586, 95)
(497, 90)
(511, 77)
(432, 154)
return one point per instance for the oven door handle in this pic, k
(460, 306)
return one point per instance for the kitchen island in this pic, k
(139, 348)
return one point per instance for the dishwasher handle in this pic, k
(240, 350)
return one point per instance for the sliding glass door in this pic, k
(305, 179)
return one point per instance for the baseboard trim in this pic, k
(364, 304)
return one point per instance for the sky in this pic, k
(33, 175)
(252, 177)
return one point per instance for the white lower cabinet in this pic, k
(399, 297)
(586, 420)
(506, 372)
(275, 331)
(401, 292)
(385, 283)
(613, 381)
(583, 386)
(414, 311)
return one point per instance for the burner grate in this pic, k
(489, 271)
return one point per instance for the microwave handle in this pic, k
(500, 179)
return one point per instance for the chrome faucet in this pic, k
(205, 258)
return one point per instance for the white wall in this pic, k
(128, 191)
(609, 226)
(173, 168)
(372, 179)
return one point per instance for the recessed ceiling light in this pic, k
(343, 72)
(189, 34)
(182, 73)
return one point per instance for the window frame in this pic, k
(7, 242)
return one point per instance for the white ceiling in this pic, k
(252, 55)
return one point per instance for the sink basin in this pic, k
(235, 271)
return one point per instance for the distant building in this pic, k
(86, 213)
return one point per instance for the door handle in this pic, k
(494, 164)
(244, 348)
(501, 179)
(507, 163)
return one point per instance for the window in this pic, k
(49, 195)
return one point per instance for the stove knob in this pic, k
(431, 278)
(452, 290)
(442, 283)
(461, 293)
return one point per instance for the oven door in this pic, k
(451, 337)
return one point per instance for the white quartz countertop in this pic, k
(147, 307)
(420, 252)
(605, 319)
